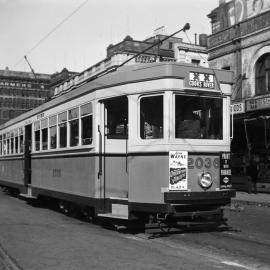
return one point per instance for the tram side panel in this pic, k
(150, 176)
(70, 177)
(12, 172)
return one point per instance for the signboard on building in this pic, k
(239, 10)
(258, 103)
(201, 80)
(237, 108)
(178, 169)
(16, 84)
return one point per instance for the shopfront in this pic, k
(251, 140)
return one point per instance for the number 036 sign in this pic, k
(178, 161)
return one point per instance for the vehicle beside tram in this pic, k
(146, 142)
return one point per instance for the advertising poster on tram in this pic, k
(178, 164)
(225, 170)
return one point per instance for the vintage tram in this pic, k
(144, 142)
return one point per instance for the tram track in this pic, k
(225, 260)
(7, 262)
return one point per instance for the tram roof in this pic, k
(126, 75)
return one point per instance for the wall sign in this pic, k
(13, 84)
(202, 80)
(258, 103)
(178, 170)
(237, 108)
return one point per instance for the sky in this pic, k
(54, 34)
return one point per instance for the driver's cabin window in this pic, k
(198, 117)
(151, 117)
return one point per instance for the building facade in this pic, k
(240, 41)
(23, 91)
(20, 92)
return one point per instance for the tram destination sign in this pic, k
(202, 80)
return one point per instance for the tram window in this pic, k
(44, 133)
(86, 109)
(21, 143)
(198, 117)
(86, 123)
(4, 144)
(1, 145)
(62, 121)
(117, 118)
(8, 146)
(86, 127)
(12, 145)
(53, 137)
(73, 117)
(37, 135)
(37, 140)
(63, 135)
(16, 145)
(53, 131)
(151, 121)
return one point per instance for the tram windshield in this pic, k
(198, 117)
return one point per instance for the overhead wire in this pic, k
(51, 32)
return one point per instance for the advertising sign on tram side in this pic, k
(225, 170)
(178, 169)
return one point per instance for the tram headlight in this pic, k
(205, 180)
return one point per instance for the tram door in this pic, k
(27, 155)
(114, 137)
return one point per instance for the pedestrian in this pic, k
(252, 173)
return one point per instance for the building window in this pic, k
(226, 68)
(195, 62)
(262, 74)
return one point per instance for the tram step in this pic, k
(119, 211)
(110, 215)
(29, 194)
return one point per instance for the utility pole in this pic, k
(30, 67)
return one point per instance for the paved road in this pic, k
(39, 238)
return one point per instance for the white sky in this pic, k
(81, 41)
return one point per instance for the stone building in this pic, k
(20, 92)
(240, 41)
(23, 91)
